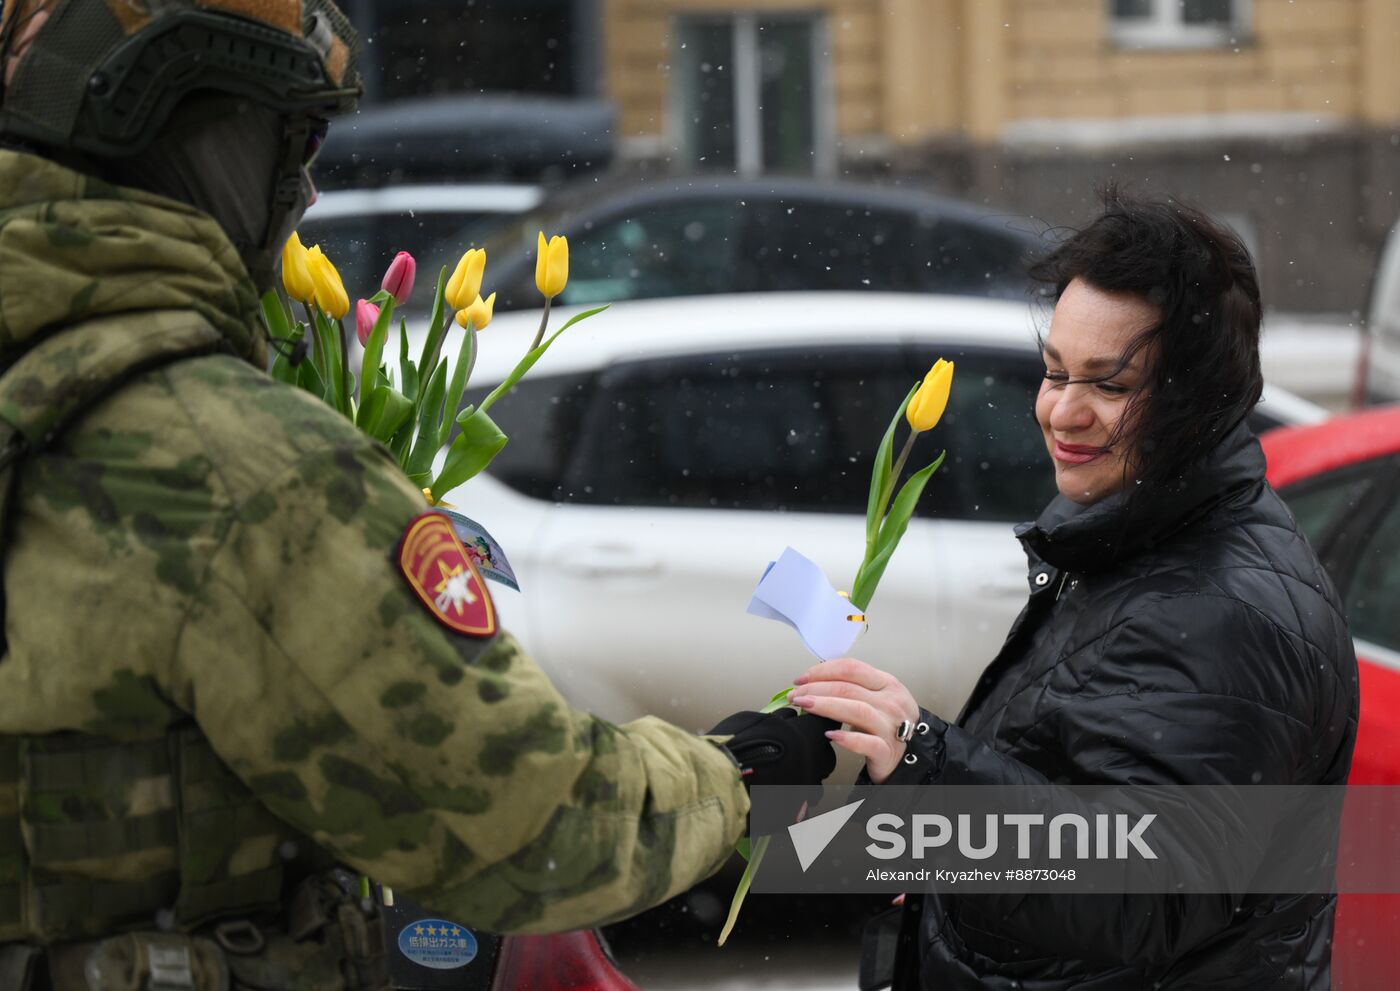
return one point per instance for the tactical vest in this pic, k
(120, 859)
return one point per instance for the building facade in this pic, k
(1282, 115)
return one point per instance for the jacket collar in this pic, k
(75, 248)
(1075, 537)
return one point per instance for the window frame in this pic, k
(585, 380)
(1166, 29)
(1376, 510)
(964, 491)
(1340, 547)
(662, 367)
(911, 354)
(748, 123)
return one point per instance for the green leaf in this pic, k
(461, 372)
(282, 368)
(778, 701)
(374, 347)
(309, 378)
(760, 847)
(383, 413)
(274, 317)
(880, 472)
(328, 357)
(408, 384)
(403, 438)
(475, 448)
(742, 847)
(411, 382)
(429, 419)
(891, 532)
(528, 362)
(347, 378)
(427, 362)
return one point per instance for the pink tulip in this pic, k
(398, 280)
(366, 313)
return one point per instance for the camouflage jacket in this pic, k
(212, 554)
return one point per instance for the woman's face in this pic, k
(1089, 335)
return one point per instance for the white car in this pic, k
(662, 453)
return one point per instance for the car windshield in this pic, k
(687, 242)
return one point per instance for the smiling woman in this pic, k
(1092, 375)
(1179, 631)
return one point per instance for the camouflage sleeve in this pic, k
(445, 766)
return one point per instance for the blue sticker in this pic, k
(438, 944)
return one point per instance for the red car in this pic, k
(1341, 479)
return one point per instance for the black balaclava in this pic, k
(222, 155)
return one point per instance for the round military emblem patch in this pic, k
(441, 573)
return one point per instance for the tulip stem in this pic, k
(344, 371)
(886, 490)
(310, 320)
(471, 361)
(544, 322)
(321, 361)
(432, 351)
(895, 472)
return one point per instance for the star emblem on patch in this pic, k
(441, 573)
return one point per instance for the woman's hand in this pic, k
(872, 702)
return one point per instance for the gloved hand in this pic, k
(781, 748)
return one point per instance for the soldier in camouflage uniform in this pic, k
(218, 682)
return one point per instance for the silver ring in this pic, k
(906, 731)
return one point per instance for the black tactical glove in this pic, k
(779, 748)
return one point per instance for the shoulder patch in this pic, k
(442, 575)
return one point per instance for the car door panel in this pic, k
(676, 641)
(690, 476)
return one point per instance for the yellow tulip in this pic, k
(928, 404)
(296, 279)
(465, 284)
(479, 313)
(552, 265)
(329, 290)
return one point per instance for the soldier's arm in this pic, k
(441, 764)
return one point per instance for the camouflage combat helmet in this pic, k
(102, 76)
(100, 79)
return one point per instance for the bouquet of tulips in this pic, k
(885, 524)
(413, 407)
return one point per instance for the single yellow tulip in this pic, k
(296, 279)
(552, 265)
(329, 290)
(479, 313)
(465, 284)
(927, 406)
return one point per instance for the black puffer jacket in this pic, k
(1204, 646)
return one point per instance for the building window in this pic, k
(1177, 23)
(751, 94)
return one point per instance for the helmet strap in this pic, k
(288, 195)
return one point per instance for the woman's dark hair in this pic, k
(1204, 377)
